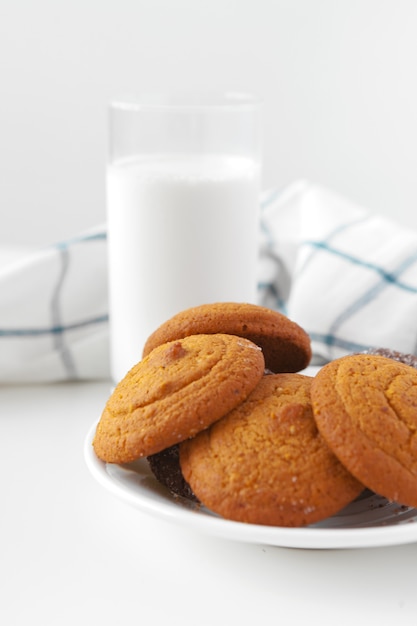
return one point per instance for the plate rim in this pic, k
(285, 537)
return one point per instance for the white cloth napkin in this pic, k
(53, 312)
(348, 277)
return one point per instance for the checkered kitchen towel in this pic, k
(53, 312)
(348, 277)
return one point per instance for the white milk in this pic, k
(181, 233)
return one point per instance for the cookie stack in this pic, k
(218, 408)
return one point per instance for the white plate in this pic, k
(370, 521)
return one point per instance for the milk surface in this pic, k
(181, 232)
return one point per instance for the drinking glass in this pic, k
(183, 182)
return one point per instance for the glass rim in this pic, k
(186, 100)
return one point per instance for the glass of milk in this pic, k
(183, 184)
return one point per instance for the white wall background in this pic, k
(338, 78)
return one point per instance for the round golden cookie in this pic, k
(180, 388)
(365, 407)
(286, 346)
(266, 463)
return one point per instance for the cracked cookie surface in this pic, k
(178, 389)
(266, 462)
(365, 407)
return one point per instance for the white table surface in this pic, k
(71, 553)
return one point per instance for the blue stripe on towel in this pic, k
(64, 248)
(99, 236)
(325, 244)
(269, 197)
(334, 341)
(59, 340)
(385, 279)
(52, 330)
(270, 288)
(371, 294)
(388, 277)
